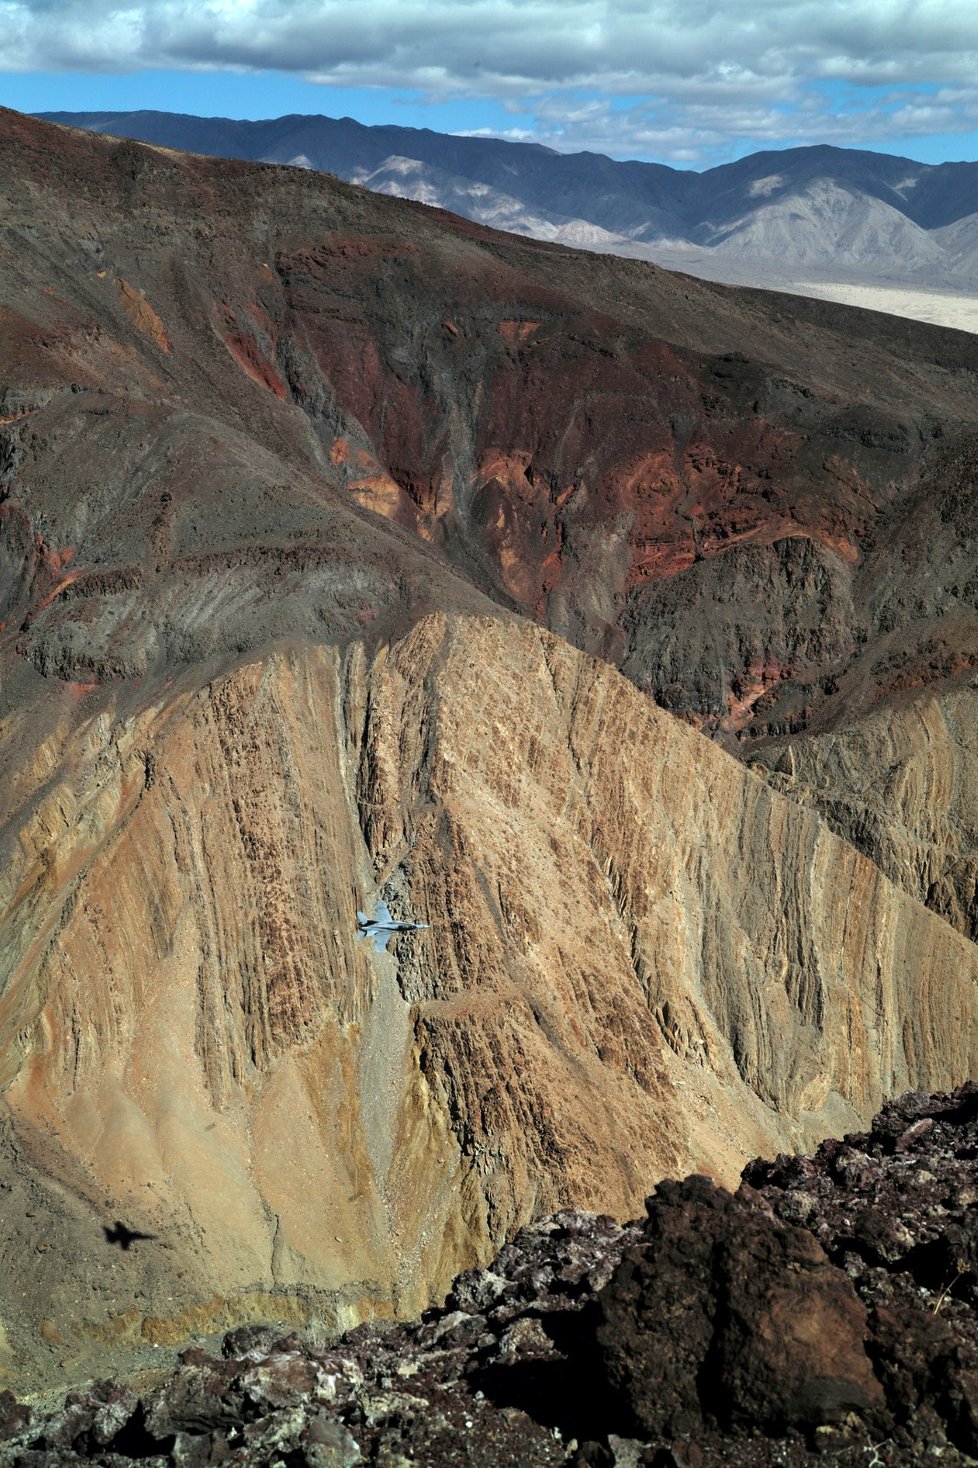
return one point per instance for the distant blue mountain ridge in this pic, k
(818, 211)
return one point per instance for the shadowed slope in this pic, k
(238, 703)
(760, 508)
(637, 965)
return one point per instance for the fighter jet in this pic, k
(382, 927)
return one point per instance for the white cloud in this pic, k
(509, 134)
(711, 70)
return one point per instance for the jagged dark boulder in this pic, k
(825, 1311)
(725, 1317)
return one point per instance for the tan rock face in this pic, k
(642, 960)
(269, 447)
(901, 784)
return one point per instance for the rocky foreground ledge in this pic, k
(826, 1310)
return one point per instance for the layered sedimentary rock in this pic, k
(635, 966)
(281, 467)
(901, 784)
(593, 442)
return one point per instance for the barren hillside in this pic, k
(326, 524)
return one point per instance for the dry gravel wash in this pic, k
(826, 1312)
(642, 961)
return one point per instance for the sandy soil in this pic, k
(955, 308)
(941, 308)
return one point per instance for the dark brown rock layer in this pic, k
(632, 457)
(280, 465)
(721, 1330)
(217, 376)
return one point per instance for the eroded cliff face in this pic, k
(641, 961)
(901, 784)
(281, 466)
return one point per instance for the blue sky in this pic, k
(687, 82)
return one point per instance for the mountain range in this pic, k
(818, 213)
(618, 625)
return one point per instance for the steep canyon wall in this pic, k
(641, 961)
(288, 472)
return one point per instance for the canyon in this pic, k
(619, 625)
(601, 1345)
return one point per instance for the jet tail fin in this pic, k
(362, 917)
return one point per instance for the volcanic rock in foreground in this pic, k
(722, 1329)
(236, 704)
(638, 965)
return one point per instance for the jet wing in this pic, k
(382, 927)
